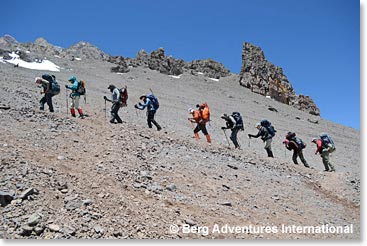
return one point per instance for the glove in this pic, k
(66, 86)
(223, 127)
(105, 98)
(136, 106)
(249, 136)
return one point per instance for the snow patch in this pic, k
(42, 65)
(175, 77)
(78, 59)
(214, 79)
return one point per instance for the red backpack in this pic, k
(123, 96)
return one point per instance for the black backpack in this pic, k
(238, 118)
(267, 124)
(54, 86)
(300, 143)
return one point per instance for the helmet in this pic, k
(72, 78)
(190, 110)
(314, 140)
(111, 87)
(142, 96)
(257, 124)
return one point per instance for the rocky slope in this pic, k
(64, 177)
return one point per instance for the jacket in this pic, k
(319, 146)
(74, 87)
(147, 104)
(263, 133)
(196, 116)
(116, 96)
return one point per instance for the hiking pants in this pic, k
(114, 113)
(150, 120)
(47, 98)
(299, 153)
(268, 147)
(325, 160)
(233, 137)
(201, 127)
(75, 102)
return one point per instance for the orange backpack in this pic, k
(205, 113)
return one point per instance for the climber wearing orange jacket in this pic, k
(196, 118)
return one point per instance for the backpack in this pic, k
(238, 118)
(123, 96)
(81, 87)
(300, 143)
(269, 127)
(327, 142)
(154, 101)
(54, 86)
(205, 112)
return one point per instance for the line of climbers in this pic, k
(200, 116)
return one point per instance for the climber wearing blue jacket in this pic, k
(151, 110)
(75, 96)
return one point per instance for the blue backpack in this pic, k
(54, 86)
(154, 101)
(269, 127)
(327, 142)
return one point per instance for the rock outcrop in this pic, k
(265, 78)
(157, 60)
(85, 50)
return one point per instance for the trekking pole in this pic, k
(67, 102)
(105, 110)
(85, 99)
(225, 134)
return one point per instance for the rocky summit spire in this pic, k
(265, 78)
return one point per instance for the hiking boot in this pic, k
(159, 128)
(42, 108)
(326, 170)
(81, 116)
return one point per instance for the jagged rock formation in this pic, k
(209, 68)
(158, 61)
(265, 78)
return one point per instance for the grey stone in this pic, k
(34, 219)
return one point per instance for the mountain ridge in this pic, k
(273, 83)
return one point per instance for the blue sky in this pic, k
(316, 42)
